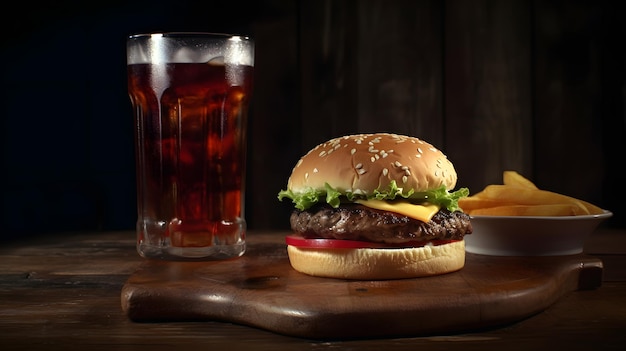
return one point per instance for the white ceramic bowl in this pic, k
(531, 236)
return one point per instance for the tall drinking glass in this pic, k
(190, 94)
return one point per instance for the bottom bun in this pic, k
(378, 264)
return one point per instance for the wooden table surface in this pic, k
(62, 291)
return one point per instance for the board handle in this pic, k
(590, 274)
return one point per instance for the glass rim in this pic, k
(208, 35)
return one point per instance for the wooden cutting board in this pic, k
(261, 290)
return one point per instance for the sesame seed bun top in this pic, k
(363, 163)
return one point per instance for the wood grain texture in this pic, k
(488, 109)
(399, 82)
(371, 67)
(567, 88)
(537, 86)
(329, 75)
(262, 290)
(274, 123)
(531, 86)
(63, 292)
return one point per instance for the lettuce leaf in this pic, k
(439, 196)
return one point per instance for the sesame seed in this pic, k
(358, 165)
(361, 171)
(306, 175)
(323, 153)
(397, 164)
(405, 179)
(315, 170)
(420, 150)
(372, 159)
(385, 171)
(352, 151)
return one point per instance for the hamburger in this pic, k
(375, 206)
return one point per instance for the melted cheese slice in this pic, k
(420, 212)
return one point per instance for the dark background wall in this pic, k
(533, 86)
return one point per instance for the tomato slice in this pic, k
(319, 243)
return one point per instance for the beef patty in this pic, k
(357, 222)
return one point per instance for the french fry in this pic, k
(530, 210)
(524, 196)
(513, 178)
(593, 209)
(468, 204)
(518, 196)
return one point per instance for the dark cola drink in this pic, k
(190, 134)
